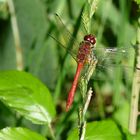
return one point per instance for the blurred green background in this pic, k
(114, 24)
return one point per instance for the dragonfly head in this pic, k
(90, 38)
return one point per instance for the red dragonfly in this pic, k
(83, 54)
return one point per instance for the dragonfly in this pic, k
(84, 56)
(83, 52)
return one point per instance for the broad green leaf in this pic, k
(129, 136)
(102, 130)
(19, 134)
(33, 26)
(26, 95)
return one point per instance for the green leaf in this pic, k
(36, 48)
(19, 134)
(103, 130)
(129, 136)
(26, 95)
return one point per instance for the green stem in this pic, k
(82, 113)
(135, 91)
(51, 131)
(86, 97)
(14, 24)
(83, 131)
(85, 79)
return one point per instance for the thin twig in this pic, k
(51, 131)
(14, 24)
(135, 91)
(82, 113)
(83, 131)
(89, 95)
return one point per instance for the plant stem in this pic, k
(86, 97)
(82, 113)
(89, 95)
(14, 24)
(87, 14)
(83, 131)
(51, 131)
(85, 79)
(135, 91)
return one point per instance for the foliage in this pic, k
(32, 101)
(19, 133)
(26, 95)
(99, 130)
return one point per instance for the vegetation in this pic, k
(36, 71)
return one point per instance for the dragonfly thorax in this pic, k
(84, 52)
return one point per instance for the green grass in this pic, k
(114, 23)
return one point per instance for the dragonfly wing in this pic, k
(62, 45)
(65, 39)
(111, 56)
(108, 72)
(111, 59)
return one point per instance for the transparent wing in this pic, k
(65, 38)
(62, 45)
(114, 55)
(111, 60)
(110, 72)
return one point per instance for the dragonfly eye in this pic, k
(90, 38)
